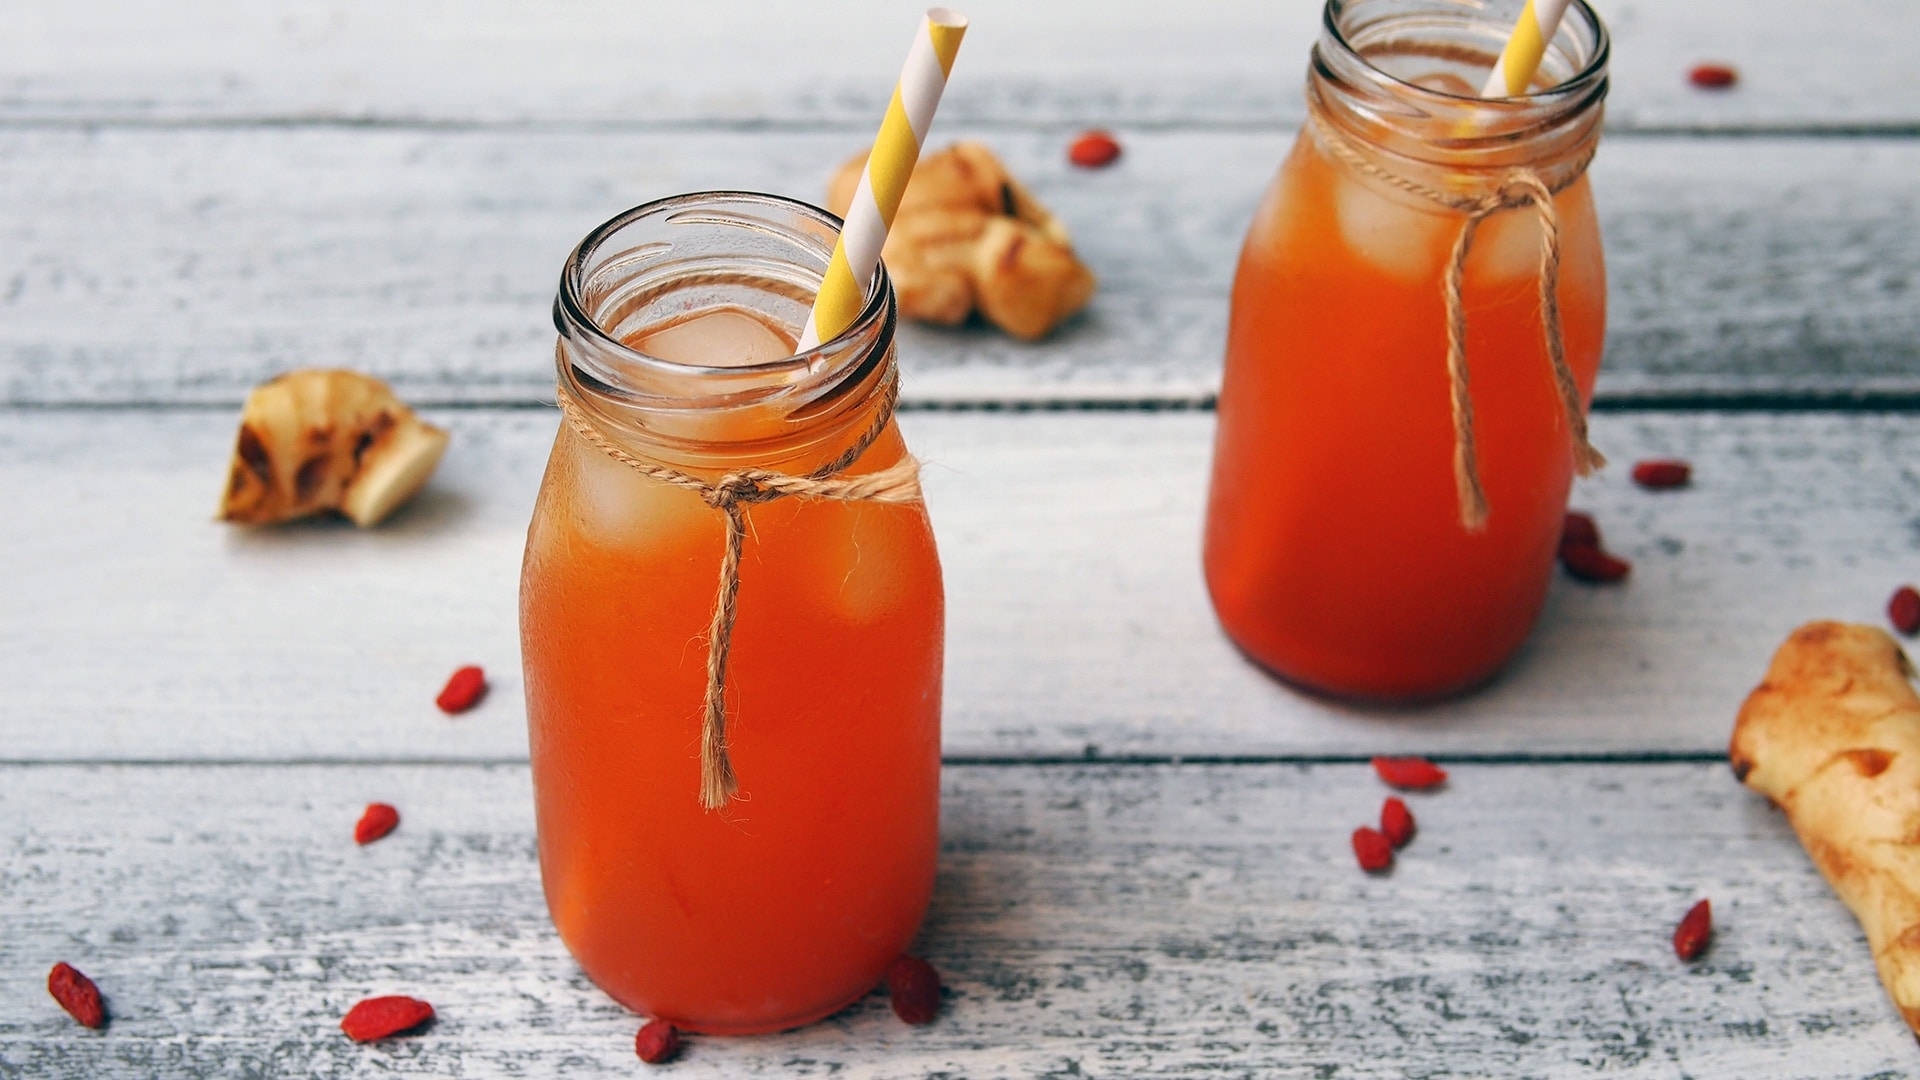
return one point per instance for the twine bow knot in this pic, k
(1520, 187)
(731, 494)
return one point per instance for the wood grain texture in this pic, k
(1089, 921)
(186, 265)
(738, 62)
(135, 628)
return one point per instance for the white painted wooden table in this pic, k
(1145, 867)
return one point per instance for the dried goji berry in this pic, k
(1590, 564)
(1093, 149)
(76, 994)
(1904, 610)
(1660, 475)
(378, 820)
(1579, 529)
(1713, 76)
(914, 988)
(1411, 773)
(657, 1042)
(1396, 821)
(377, 1018)
(463, 691)
(1691, 936)
(1373, 849)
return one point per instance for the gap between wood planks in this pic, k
(1091, 756)
(1900, 129)
(1838, 399)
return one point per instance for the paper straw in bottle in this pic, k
(1513, 72)
(896, 149)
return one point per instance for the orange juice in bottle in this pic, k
(677, 326)
(1338, 552)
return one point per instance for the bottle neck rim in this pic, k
(800, 233)
(1350, 86)
(659, 258)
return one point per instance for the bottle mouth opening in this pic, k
(1426, 59)
(670, 256)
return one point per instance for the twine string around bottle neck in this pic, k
(1519, 187)
(732, 494)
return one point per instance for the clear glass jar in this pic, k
(786, 903)
(1339, 550)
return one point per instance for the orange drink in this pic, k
(1338, 553)
(677, 325)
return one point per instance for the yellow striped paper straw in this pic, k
(889, 166)
(1513, 73)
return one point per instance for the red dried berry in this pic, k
(77, 994)
(914, 988)
(1661, 475)
(377, 1018)
(1579, 530)
(1396, 821)
(1904, 610)
(1373, 849)
(657, 1042)
(1093, 149)
(463, 691)
(1713, 76)
(1691, 936)
(1592, 565)
(378, 820)
(1409, 773)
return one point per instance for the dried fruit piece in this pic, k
(1093, 149)
(1410, 773)
(657, 1042)
(377, 1018)
(1373, 849)
(325, 439)
(1662, 475)
(76, 994)
(1396, 821)
(1579, 530)
(1904, 610)
(967, 237)
(1713, 76)
(463, 691)
(1691, 936)
(914, 988)
(1592, 565)
(378, 820)
(1832, 737)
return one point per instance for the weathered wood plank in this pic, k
(144, 266)
(136, 628)
(1229, 61)
(1089, 920)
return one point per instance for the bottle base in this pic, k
(768, 1027)
(696, 1026)
(1409, 697)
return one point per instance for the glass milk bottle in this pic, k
(683, 405)
(1397, 435)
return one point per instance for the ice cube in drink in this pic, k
(616, 505)
(1446, 82)
(613, 505)
(1410, 237)
(716, 337)
(1402, 234)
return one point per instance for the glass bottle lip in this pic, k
(869, 333)
(1367, 84)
